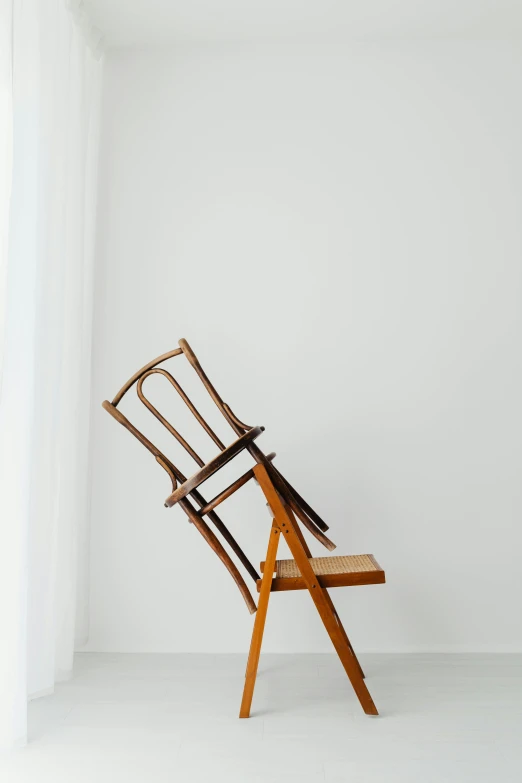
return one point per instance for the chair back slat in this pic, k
(237, 425)
(155, 412)
(192, 408)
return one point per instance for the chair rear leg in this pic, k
(319, 596)
(259, 623)
(342, 631)
(307, 552)
(333, 627)
(344, 651)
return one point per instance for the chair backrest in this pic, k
(187, 490)
(152, 368)
(175, 474)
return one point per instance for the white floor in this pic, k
(141, 718)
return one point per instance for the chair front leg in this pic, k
(259, 622)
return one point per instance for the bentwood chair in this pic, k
(288, 510)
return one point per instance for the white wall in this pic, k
(337, 232)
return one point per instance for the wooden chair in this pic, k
(288, 510)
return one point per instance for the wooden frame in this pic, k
(285, 526)
(288, 508)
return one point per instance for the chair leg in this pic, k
(259, 623)
(323, 602)
(326, 593)
(343, 632)
(333, 627)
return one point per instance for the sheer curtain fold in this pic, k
(47, 265)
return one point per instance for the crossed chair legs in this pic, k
(285, 525)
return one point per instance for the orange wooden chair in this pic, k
(288, 509)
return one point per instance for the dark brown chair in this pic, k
(288, 509)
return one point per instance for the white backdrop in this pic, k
(337, 232)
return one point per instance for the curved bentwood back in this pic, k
(185, 490)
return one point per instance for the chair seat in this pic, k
(338, 571)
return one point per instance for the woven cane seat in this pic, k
(337, 571)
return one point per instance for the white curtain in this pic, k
(50, 78)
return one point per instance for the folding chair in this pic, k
(288, 509)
